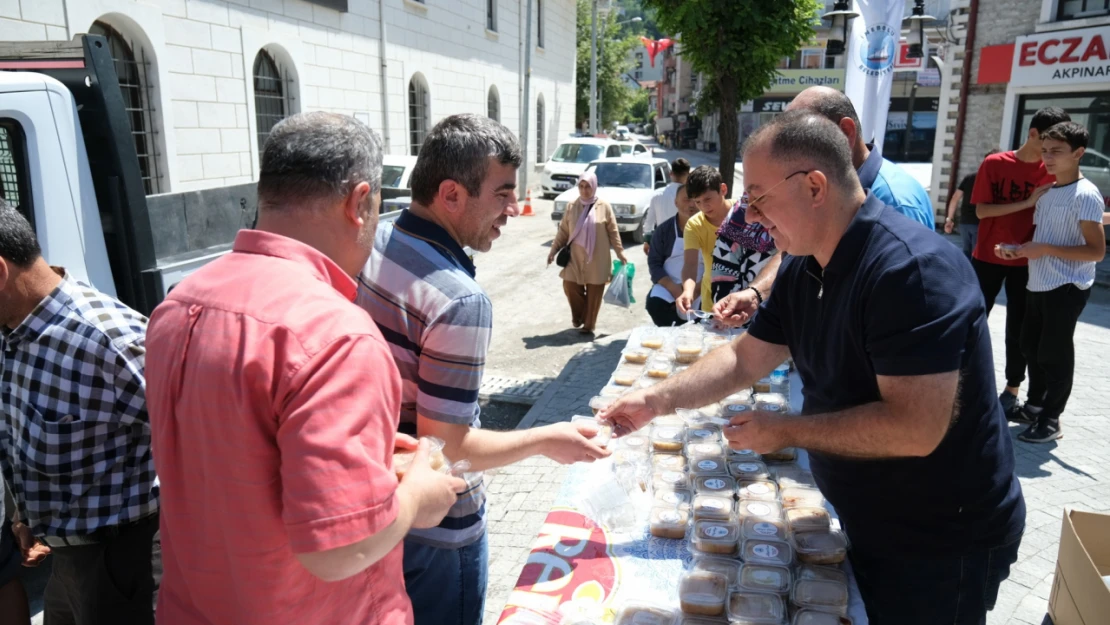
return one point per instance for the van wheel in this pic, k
(637, 235)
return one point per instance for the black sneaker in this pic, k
(1021, 415)
(1012, 408)
(1043, 431)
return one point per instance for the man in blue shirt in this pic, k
(882, 178)
(901, 420)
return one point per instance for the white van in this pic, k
(570, 159)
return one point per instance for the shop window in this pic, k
(1090, 109)
(1079, 9)
(813, 59)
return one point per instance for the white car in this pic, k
(396, 191)
(628, 185)
(570, 159)
(1095, 166)
(634, 148)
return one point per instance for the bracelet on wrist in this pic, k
(758, 295)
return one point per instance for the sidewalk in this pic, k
(1071, 472)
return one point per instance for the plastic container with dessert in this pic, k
(668, 522)
(765, 578)
(791, 475)
(802, 497)
(743, 396)
(670, 480)
(668, 462)
(823, 573)
(703, 593)
(755, 608)
(764, 490)
(787, 454)
(729, 567)
(698, 431)
(770, 402)
(761, 551)
(676, 497)
(636, 355)
(743, 455)
(702, 620)
(708, 466)
(634, 442)
(659, 368)
(604, 430)
(713, 508)
(613, 390)
(821, 547)
(763, 529)
(735, 410)
(600, 402)
(715, 538)
(439, 462)
(651, 339)
(748, 470)
(688, 347)
(820, 595)
(701, 448)
(644, 613)
(629, 455)
(813, 617)
(807, 519)
(763, 385)
(626, 375)
(646, 382)
(755, 508)
(668, 437)
(715, 485)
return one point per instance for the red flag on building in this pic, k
(655, 47)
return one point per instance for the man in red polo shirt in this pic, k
(1006, 191)
(274, 404)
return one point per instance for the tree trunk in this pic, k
(728, 130)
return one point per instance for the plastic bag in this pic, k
(619, 292)
(439, 462)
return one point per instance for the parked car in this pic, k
(570, 159)
(622, 133)
(396, 190)
(628, 185)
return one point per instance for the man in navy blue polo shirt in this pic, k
(901, 418)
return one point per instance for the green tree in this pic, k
(638, 108)
(736, 45)
(612, 62)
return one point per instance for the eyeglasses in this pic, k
(752, 203)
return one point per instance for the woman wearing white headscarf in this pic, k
(590, 228)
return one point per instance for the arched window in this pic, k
(272, 95)
(132, 69)
(493, 105)
(418, 113)
(540, 151)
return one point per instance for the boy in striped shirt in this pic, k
(1067, 243)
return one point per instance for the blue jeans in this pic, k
(447, 586)
(969, 234)
(957, 590)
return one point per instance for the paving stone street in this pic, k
(1072, 472)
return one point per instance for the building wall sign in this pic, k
(798, 80)
(1062, 58)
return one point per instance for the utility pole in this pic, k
(593, 67)
(526, 103)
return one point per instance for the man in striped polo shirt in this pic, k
(419, 288)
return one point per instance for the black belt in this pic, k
(98, 536)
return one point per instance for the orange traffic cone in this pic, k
(527, 212)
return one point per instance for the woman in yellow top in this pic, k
(590, 228)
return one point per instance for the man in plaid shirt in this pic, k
(75, 437)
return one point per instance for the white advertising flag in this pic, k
(869, 66)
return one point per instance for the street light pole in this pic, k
(593, 68)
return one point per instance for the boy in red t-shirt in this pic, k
(1006, 191)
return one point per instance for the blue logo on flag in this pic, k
(879, 49)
